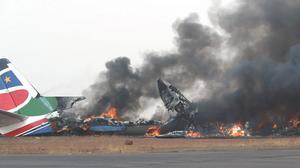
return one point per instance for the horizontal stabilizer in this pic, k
(7, 118)
(68, 102)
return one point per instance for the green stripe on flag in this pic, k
(39, 106)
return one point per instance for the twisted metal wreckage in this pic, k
(24, 112)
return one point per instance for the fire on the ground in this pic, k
(182, 125)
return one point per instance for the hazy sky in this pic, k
(61, 45)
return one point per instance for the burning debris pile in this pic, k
(237, 130)
(153, 131)
(185, 123)
(249, 72)
(107, 122)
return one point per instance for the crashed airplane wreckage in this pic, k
(24, 112)
(104, 123)
(185, 123)
(109, 122)
(175, 101)
(180, 126)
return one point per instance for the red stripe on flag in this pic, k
(19, 96)
(9, 101)
(26, 128)
(6, 102)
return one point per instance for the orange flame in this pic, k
(153, 131)
(111, 113)
(236, 131)
(275, 125)
(193, 134)
(295, 122)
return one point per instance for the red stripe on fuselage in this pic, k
(26, 128)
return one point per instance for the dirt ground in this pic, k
(74, 145)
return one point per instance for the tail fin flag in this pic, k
(15, 91)
(23, 111)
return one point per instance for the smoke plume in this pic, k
(261, 80)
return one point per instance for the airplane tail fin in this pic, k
(17, 95)
(15, 90)
(23, 111)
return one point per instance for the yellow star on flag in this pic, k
(7, 79)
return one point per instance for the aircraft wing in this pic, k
(8, 118)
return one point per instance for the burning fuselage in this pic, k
(186, 120)
(175, 101)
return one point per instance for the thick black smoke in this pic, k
(262, 80)
(123, 87)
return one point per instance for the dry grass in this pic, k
(117, 144)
